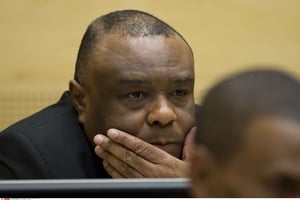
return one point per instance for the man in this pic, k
(134, 79)
(248, 141)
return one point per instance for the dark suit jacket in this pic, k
(49, 144)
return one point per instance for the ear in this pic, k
(78, 93)
(201, 171)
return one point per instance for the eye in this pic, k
(179, 93)
(138, 95)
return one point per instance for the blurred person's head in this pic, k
(248, 137)
(135, 73)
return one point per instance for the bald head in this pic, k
(124, 23)
(235, 102)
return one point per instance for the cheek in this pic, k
(186, 119)
(116, 117)
(238, 183)
(130, 122)
(196, 189)
(94, 124)
(96, 119)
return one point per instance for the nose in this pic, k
(161, 113)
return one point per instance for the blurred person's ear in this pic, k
(202, 171)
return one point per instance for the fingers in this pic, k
(119, 161)
(127, 156)
(188, 143)
(138, 146)
(112, 171)
(126, 171)
(189, 139)
(108, 168)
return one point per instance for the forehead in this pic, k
(116, 55)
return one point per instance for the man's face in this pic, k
(267, 165)
(143, 86)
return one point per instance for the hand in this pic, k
(126, 156)
(189, 141)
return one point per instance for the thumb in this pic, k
(188, 143)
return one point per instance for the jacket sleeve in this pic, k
(20, 158)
